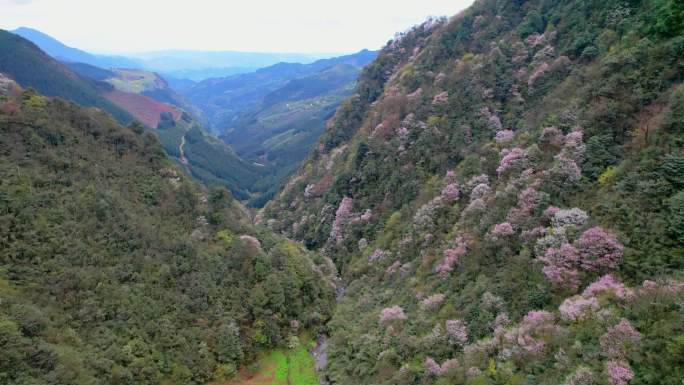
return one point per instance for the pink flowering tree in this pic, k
(343, 216)
(502, 230)
(619, 372)
(441, 99)
(512, 159)
(608, 285)
(531, 335)
(432, 367)
(599, 250)
(480, 191)
(389, 314)
(378, 255)
(457, 332)
(560, 267)
(578, 308)
(504, 136)
(450, 193)
(450, 260)
(620, 340)
(572, 217)
(432, 302)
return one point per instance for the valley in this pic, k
(495, 197)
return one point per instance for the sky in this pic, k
(310, 26)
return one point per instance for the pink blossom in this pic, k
(476, 206)
(450, 177)
(451, 257)
(599, 250)
(608, 284)
(309, 191)
(378, 255)
(538, 72)
(528, 199)
(367, 215)
(619, 372)
(532, 235)
(528, 337)
(393, 269)
(441, 99)
(480, 191)
(450, 193)
(394, 313)
(342, 217)
(535, 39)
(581, 376)
(449, 366)
(504, 136)
(457, 332)
(415, 95)
(502, 230)
(562, 277)
(432, 367)
(565, 170)
(552, 135)
(251, 241)
(432, 302)
(425, 215)
(514, 158)
(501, 321)
(477, 180)
(492, 119)
(577, 308)
(573, 217)
(620, 340)
(550, 211)
(574, 139)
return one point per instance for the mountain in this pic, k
(116, 268)
(180, 64)
(200, 65)
(30, 67)
(273, 116)
(64, 53)
(502, 195)
(129, 94)
(224, 99)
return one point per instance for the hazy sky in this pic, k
(247, 25)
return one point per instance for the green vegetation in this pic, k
(283, 366)
(502, 194)
(30, 67)
(116, 269)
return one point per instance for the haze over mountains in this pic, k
(268, 118)
(182, 64)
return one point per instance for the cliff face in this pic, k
(503, 194)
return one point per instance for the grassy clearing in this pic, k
(280, 367)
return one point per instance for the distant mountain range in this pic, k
(268, 119)
(273, 116)
(181, 64)
(62, 52)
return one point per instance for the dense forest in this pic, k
(498, 200)
(118, 269)
(503, 196)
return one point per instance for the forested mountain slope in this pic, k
(117, 269)
(503, 195)
(30, 67)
